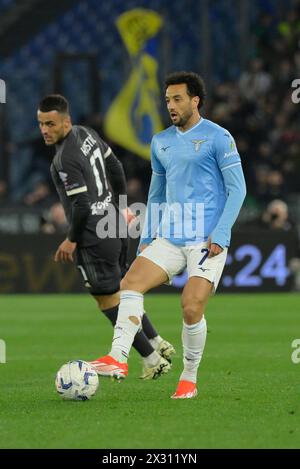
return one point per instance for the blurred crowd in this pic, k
(259, 110)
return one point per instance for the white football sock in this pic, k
(152, 359)
(155, 342)
(193, 340)
(131, 306)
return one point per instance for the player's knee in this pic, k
(129, 282)
(106, 302)
(193, 311)
(190, 315)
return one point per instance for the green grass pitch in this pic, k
(249, 388)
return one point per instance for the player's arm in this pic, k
(156, 197)
(230, 166)
(76, 189)
(116, 176)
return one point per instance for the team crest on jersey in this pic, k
(197, 144)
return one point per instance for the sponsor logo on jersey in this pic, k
(98, 207)
(233, 150)
(63, 176)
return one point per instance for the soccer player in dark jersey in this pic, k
(88, 178)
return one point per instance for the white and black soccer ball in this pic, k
(76, 380)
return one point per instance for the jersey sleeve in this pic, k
(229, 162)
(226, 152)
(235, 187)
(106, 151)
(71, 175)
(157, 195)
(105, 148)
(116, 176)
(157, 167)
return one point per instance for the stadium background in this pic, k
(110, 58)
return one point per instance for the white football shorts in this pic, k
(175, 259)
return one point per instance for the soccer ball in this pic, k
(76, 380)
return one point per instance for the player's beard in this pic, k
(183, 119)
(57, 138)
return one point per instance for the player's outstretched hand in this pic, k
(65, 251)
(214, 249)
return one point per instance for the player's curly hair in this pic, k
(195, 84)
(54, 102)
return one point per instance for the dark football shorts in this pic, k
(102, 266)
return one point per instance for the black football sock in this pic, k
(148, 328)
(141, 342)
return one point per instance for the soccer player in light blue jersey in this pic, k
(196, 192)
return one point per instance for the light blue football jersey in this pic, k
(190, 168)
